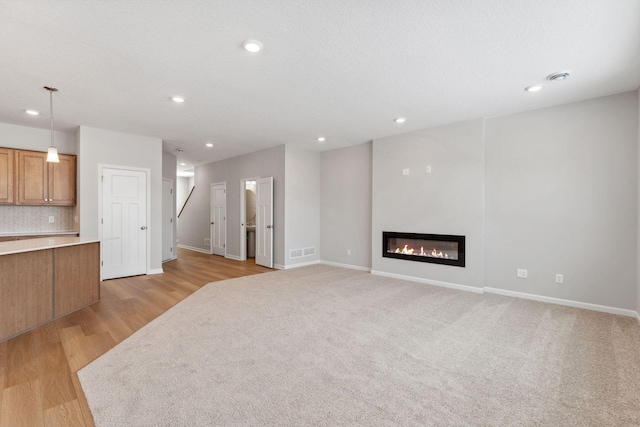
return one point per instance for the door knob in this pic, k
(269, 226)
(212, 223)
(143, 228)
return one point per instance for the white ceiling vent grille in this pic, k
(300, 253)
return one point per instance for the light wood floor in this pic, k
(38, 381)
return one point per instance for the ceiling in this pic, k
(339, 69)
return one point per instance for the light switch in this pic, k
(405, 171)
(52, 219)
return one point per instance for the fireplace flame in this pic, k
(434, 253)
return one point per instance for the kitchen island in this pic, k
(44, 279)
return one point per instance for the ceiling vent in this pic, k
(556, 77)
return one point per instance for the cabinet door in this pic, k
(6, 176)
(32, 178)
(62, 181)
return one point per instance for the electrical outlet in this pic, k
(559, 278)
(348, 251)
(405, 172)
(52, 219)
(522, 273)
(428, 170)
(207, 242)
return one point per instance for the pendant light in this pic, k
(52, 156)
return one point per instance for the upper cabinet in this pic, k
(32, 177)
(62, 181)
(40, 183)
(6, 176)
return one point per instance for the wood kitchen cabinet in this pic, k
(46, 279)
(6, 176)
(42, 183)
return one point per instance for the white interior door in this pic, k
(167, 219)
(218, 218)
(264, 221)
(124, 223)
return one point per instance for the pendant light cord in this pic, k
(51, 115)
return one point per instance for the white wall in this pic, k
(194, 222)
(561, 197)
(638, 226)
(26, 138)
(103, 147)
(345, 209)
(446, 201)
(302, 204)
(169, 170)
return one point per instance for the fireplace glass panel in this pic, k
(434, 248)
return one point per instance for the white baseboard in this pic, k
(428, 281)
(560, 301)
(302, 264)
(541, 298)
(191, 248)
(155, 271)
(278, 266)
(349, 266)
(233, 257)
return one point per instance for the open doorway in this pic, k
(247, 218)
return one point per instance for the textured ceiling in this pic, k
(340, 69)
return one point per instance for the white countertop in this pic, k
(18, 246)
(37, 233)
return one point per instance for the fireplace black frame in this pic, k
(460, 240)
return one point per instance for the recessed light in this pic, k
(400, 120)
(208, 144)
(178, 99)
(321, 139)
(32, 112)
(534, 88)
(183, 164)
(253, 46)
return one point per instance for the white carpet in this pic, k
(327, 346)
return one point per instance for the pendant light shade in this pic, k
(52, 155)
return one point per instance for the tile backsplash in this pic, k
(35, 219)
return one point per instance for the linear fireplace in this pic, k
(435, 248)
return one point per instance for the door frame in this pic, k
(243, 217)
(173, 219)
(147, 171)
(224, 183)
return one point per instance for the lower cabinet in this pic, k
(39, 286)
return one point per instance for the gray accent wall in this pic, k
(552, 191)
(345, 211)
(561, 197)
(194, 221)
(302, 204)
(449, 200)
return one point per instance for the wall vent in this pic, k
(300, 253)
